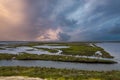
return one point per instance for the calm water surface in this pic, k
(112, 48)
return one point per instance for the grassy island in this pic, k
(67, 54)
(75, 48)
(85, 49)
(26, 56)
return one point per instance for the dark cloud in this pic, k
(62, 19)
(115, 29)
(64, 37)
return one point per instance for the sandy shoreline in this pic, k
(19, 78)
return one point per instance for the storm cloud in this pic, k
(59, 20)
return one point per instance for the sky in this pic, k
(59, 20)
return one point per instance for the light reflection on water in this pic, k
(32, 50)
(18, 50)
(112, 48)
(57, 64)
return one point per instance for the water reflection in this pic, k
(112, 48)
(57, 64)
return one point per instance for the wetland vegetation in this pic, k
(26, 56)
(59, 74)
(74, 48)
(85, 50)
(49, 50)
(69, 52)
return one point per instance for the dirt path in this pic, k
(19, 78)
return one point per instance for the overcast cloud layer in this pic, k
(61, 20)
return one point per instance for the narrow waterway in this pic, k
(112, 48)
(56, 64)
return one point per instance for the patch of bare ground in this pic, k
(19, 78)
